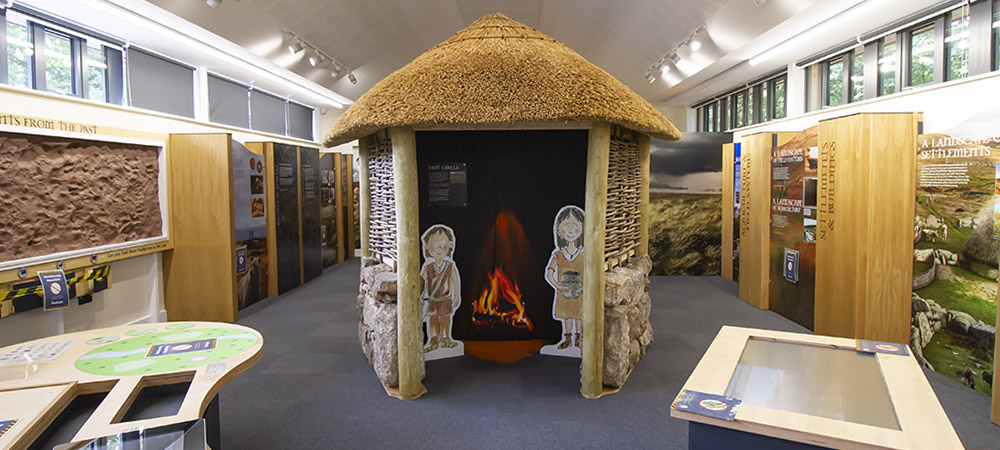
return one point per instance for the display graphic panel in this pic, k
(794, 169)
(517, 181)
(736, 212)
(286, 214)
(251, 225)
(685, 201)
(312, 240)
(328, 208)
(955, 257)
(62, 194)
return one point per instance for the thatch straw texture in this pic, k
(498, 71)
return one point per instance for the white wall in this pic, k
(963, 106)
(136, 293)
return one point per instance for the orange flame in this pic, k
(486, 310)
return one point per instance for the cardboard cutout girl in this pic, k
(442, 292)
(564, 273)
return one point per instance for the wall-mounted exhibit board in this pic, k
(249, 214)
(792, 269)
(864, 260)
(328, 207)
(957, 251)
(755, 215)
(69, 209)
(685, 191)
(96, 383)
(200, 272)
(292, 183)
(728, 209)
(840, 397)
(347, 203)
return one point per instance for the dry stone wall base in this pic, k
(377, 322)
(627, 331)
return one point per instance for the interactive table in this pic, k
(90, 384)
(799, 391)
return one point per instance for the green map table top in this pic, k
(39, 378)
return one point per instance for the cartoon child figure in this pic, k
(442, 287)
(564, 273)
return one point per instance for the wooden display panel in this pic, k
(864, 248)
(755, 215)
(728, 151)
(198, 273)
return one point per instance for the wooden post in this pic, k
(409, 334)
(644, 216)
(728, 205)
(364, 201)
(592, 366)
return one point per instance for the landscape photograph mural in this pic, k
(955, 257)
(685, 202)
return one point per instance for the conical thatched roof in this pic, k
(498, 71)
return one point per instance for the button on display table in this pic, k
(799, 391)
(96, 383)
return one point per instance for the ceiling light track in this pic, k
(317, 57)
(663, 65)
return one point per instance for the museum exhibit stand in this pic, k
(799, 391)
(458, 157)
(160, 378)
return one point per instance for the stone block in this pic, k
(385, 352)
(642, 264)
(366, 336)
(617, 346)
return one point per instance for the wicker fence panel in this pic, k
(621, 237)
(382, 220)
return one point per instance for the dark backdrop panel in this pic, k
(312, 246)
(517, 182)
(328, 210)
(286, 214)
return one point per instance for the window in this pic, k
(779, 98)
(48, 57)
(956, 44)
(996, 34)
(763, 103)
(858, 74)
(888, 55)
(159, 84)
(97, 70)
(19, 51)
(835, 82)
(740, 98)
(59, 64)
(922, 55)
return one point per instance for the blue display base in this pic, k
(708, 437)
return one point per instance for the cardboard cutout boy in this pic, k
(442, 292)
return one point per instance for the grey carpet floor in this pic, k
(313, 388)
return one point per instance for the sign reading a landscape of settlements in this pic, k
(955, 257)
(685, 202)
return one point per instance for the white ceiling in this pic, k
(624, 37)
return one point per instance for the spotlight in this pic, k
(316, 59)
(337, 71)
(354, 79)
(213, 3)
(650, 78)
(695, 45)
(664, 70)
(295, 47)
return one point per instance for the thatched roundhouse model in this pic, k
(502, 121)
